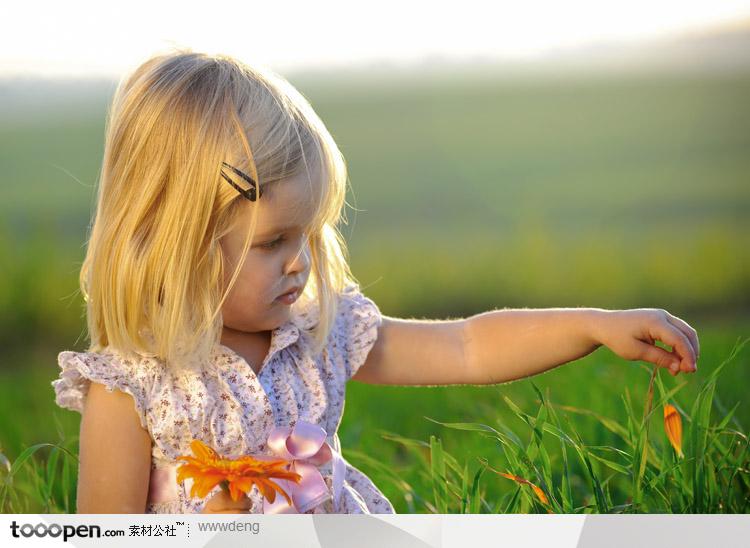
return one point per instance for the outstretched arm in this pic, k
(504, 345)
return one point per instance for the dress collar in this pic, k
(283, 336)
(303, 317)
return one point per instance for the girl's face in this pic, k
(278, 258)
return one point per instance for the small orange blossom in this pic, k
(208, 468)
(673, 427)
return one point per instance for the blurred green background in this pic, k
(471, 194)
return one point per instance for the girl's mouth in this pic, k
(288, 298)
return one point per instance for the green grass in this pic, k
(639, 472)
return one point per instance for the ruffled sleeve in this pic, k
(78, 369)
(357, 322)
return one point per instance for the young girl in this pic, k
(220, 305)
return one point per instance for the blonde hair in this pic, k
(153, 271)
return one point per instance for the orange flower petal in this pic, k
(236, 491)
(205, 483)
(537, 490)
(284, 494)
(266, 490)
(188, 471)
(244, 484)
(673, 427)
(511, 476)
(539, 493)
(203, 451)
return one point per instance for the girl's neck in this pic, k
(253, 347)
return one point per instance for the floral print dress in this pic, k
(232, 409)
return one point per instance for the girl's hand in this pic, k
(631, 335)
(222, 503)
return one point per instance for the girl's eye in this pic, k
(273, 244)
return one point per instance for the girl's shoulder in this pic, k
(355, 329)
(132, 374)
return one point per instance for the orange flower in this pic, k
(673, 427)
(539, 493)
(208, 468)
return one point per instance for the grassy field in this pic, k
(615, 193)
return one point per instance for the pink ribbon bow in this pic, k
(306, 446)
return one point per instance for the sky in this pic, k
(100, 38)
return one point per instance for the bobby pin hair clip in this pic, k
(250, 193)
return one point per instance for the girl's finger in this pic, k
(691, 333)
(669, 334)
(243, 504)
(660, 357)
(222, 501)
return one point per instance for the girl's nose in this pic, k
(300, 261)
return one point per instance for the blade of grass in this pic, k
(475, 496)
(596, 484)
(641, 448)
(438, 475)
(565, 490)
